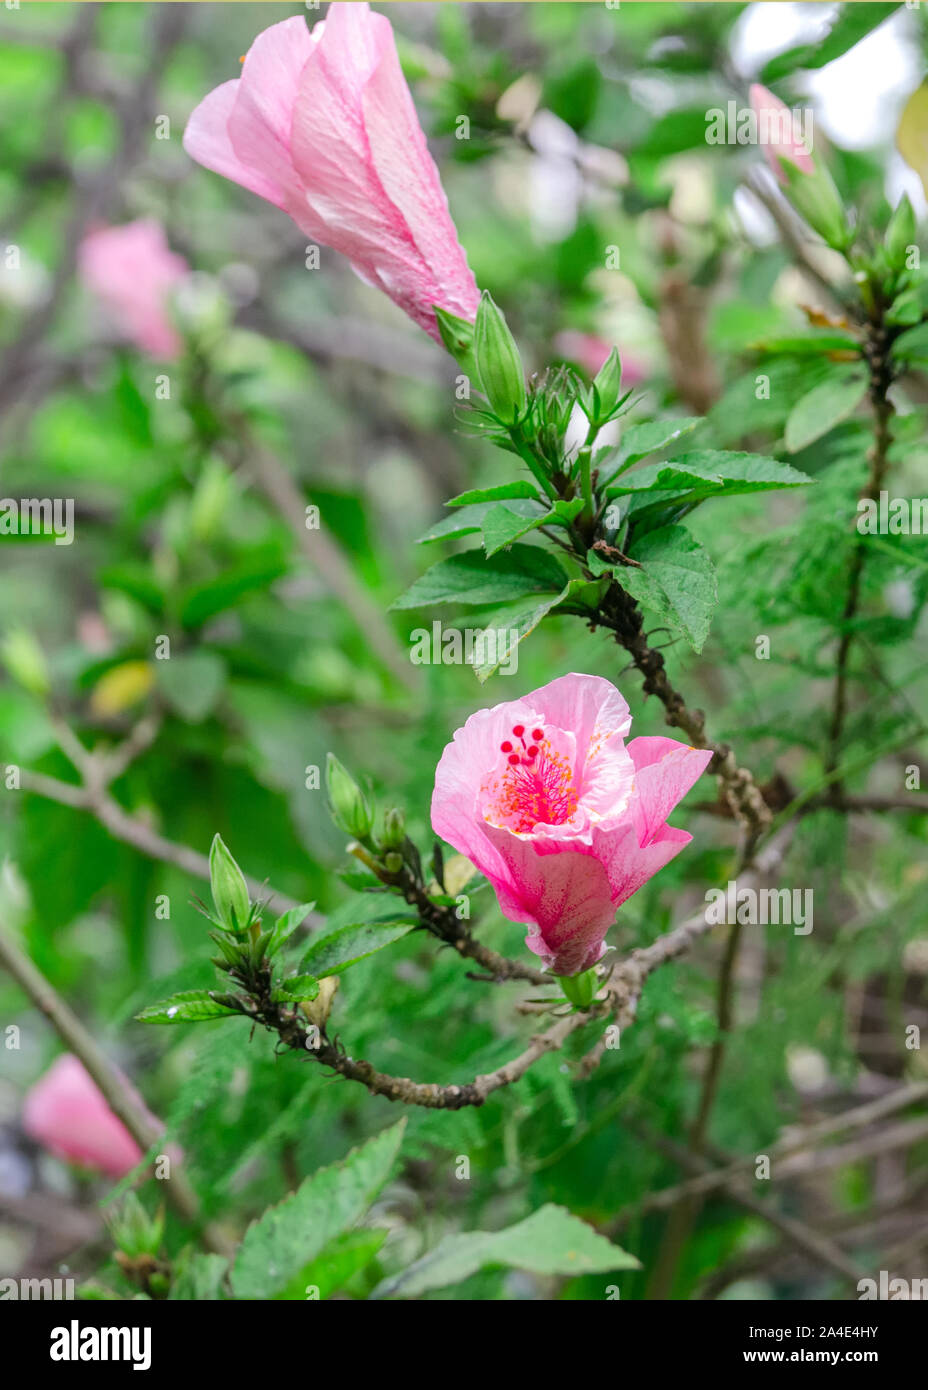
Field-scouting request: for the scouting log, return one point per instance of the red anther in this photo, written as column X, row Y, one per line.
column 518, row 730
column 532, row 752
column 513, row 760
column 538, row 735
column 505, row 747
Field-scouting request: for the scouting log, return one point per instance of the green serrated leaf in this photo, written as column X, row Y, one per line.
column 648, row 438
column 191, row 1006
column 496, row 643
column 340, row 1262
column 502, row 524
column 706, row 473
column 550, row 1241
column 912, row 346
column 286, row 925
column 287, row 1236
column 520, row 488
column 298, row 987
column 474, row 578
column 825, row 406
column 676, row 581
column 470, row 519
column 339, row 949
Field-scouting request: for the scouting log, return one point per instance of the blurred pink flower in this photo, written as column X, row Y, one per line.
column 132, row 271
column 779, row 133
column 323, row 125
column 566, row 822
column 590, row 352
column 65, row 1112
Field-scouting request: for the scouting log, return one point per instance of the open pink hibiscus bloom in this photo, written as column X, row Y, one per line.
column 322, row 124
column 132, row 271
column 566, row 821
column 65, row 1112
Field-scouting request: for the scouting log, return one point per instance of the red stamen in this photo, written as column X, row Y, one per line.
column 518, row 730
column 538, row 735
column 505, row 747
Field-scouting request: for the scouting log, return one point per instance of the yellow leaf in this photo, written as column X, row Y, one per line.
column 121, row 687
column 912, row 135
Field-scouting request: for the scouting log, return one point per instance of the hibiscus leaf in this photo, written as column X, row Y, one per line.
column 503, row 524
column 477, row 579
column 191, row 1006
column 286, row 925
column 648, row 438
column 825, row 406
column 550, row 1241
column 286, row 1237
column 470, row 519
column 676, row 581
column 693, row 478
column 501, row 493
column 496, row 644
column 339, row 949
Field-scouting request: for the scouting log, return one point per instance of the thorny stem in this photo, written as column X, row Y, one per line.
column 877, row 345
column 621, row 615
column 442, row 922
column 617, row 999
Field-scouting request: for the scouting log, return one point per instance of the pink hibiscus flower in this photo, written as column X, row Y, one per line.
column 544, row 796
column 322, row 124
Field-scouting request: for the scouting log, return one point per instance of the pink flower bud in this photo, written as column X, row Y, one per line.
column 565, row 820
column 132, row 271
column 67, row 1114
column 779, row 133
column 323, row 125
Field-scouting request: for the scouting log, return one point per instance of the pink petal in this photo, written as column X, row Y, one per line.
column 566, row 896
column 664, row 772
column 627, row 864
column 206, row 140
column 407, row 173
column 260, row 119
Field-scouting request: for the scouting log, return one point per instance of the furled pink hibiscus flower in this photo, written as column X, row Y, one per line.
column 66, row 1113
column 566, row 821
column 323, row 125
column 132, row 271
column 779, row 133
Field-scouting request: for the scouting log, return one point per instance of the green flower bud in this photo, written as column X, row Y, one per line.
column 498, row 363
column 900, row 234
column 230, row 891
column 394, row 828
column 815, row 197
column 458, row 337
column 580, row 989
column 349, row 807
column 608, row 385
